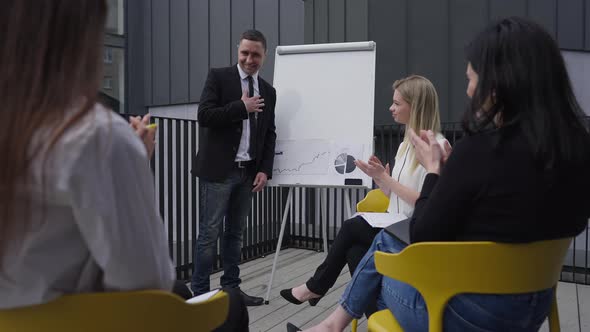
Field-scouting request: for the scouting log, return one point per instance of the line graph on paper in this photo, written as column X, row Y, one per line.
column 302, row 157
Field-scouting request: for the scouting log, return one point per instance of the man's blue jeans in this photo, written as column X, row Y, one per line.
column 466, row 312
column 229, row 200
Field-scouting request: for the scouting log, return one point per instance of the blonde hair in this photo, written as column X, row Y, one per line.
column 421, row 95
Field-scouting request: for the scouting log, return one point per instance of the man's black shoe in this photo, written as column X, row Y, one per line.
column 292, row 328
column 251, row 301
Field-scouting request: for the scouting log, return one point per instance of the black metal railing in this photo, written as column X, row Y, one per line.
column 177, row 199
column 178, row 196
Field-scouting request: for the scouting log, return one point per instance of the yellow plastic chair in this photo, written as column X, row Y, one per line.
column 441, row 270
column 146, row 311
column 374, row 201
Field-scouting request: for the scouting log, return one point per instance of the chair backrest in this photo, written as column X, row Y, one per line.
column 144, row 311
column 441, row 270
column 375, row 201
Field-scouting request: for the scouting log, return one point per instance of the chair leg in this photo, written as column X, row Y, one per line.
column 355, row 323
column 554, row 314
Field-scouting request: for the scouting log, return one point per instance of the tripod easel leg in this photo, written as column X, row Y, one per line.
column 281, row 233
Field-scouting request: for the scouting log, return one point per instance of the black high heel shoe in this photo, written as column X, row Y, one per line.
column 287, row 294
column 292, row 328
column 315, row 301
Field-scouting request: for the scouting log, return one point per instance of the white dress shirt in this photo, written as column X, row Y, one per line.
column 243, row 154
column 403, row 173
column 95, row 226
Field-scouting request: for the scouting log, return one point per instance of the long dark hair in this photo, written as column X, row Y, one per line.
column 49, row 60
column 523, row 83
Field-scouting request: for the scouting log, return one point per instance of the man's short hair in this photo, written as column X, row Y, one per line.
column 254, row 35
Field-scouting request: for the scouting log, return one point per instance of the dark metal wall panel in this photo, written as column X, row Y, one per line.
column 587, row 25
column 242, row 19
column 428, row 46
column 147, row 53
column 135, row 61
column 198, row 35
column 570, row 24
column 357, row 20
column 336, row 21
column 160, row 52
column 320, row 21
column 387, row 27
column 544, row 12
column 413, row 36
column 428, row 37
column 179, row 45
column 183, row 39
column 309, row 21
column 291, row 22
column 219, row 33
column 506, row 8
column 267, row 22
column 465, row 18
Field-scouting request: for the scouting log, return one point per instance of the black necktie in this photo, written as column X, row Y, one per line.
column 252, row 116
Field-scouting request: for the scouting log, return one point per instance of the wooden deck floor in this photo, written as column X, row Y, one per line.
column 296, row 266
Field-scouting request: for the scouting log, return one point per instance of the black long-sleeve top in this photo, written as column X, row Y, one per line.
column 495, row 191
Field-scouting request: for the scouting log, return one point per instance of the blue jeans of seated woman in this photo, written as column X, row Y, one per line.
column 468, row 312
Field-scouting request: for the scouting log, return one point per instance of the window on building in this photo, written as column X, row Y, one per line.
column 107, row 83
column 113, row 83
column 108, row 55
column 116, row 17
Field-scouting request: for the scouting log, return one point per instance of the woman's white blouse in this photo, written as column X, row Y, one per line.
column 95, row 226
column 402, row 172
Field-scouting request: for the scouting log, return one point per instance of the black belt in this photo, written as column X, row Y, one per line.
column 244, row 164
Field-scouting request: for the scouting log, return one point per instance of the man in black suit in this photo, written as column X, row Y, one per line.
column 236, row 152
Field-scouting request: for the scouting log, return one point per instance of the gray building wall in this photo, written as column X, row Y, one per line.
column 427, row 37
column 173, row 43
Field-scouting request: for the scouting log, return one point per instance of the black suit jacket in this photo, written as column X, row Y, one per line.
column 220, row 116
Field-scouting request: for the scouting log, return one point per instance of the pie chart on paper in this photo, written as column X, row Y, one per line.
column 344, row 163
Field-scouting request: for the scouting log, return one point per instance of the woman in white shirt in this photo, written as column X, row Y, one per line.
column 415, row 105
column 77, row 200
column 77, row 210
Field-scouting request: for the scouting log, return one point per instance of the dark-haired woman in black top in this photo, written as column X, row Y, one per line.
column 520, row 175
